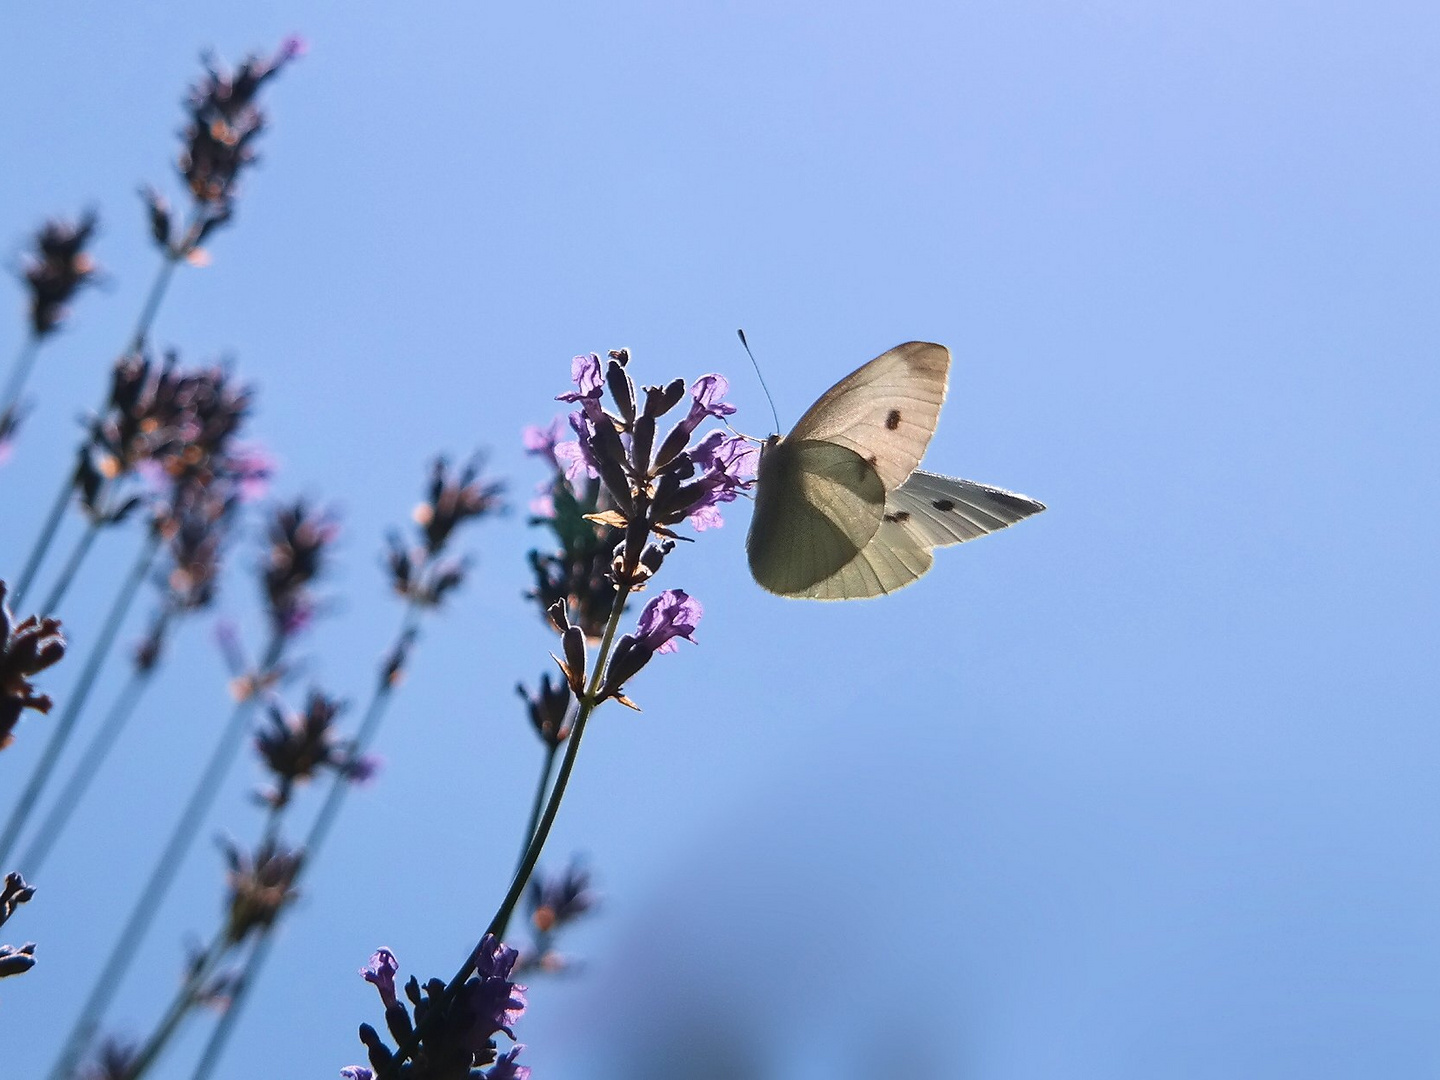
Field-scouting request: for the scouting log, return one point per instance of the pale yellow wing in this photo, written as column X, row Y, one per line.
column 886, row 411
column 817, row 504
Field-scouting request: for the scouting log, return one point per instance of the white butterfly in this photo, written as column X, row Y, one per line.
column 842, row 512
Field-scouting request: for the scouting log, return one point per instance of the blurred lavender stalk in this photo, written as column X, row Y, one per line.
column 300, row 538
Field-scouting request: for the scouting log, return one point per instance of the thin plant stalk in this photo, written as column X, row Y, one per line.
column 76, row 702
column 72, row 567
column 127, row 945
column 153, row 299
column 187, row 997
column 85, row 771
column 43, row 541
column 180, row 1006
column 539, row 805
column 532, row 853
column 314, row 840
column 20, row 373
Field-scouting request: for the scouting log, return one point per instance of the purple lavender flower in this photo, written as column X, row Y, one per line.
column 706, row 400
column 505, row 1067
column 674, row 613
column 588, row 375
column 541, row 441
column 492, row 1001
column 381, row 972
column 577, row 456
column 727, row 466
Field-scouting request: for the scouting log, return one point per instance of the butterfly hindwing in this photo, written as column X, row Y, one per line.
column 817, row 505
column 886, row 411
column 943, row 510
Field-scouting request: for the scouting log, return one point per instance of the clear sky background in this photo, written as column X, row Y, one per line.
column 1145, row 787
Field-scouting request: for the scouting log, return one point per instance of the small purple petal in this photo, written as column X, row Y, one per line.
column 381, row 972
column 358, row 1072
column 505, row 1067
column 674, row 613
column 588, row 375
column 541, row 441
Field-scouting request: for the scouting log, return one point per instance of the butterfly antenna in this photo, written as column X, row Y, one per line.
column 768, row 398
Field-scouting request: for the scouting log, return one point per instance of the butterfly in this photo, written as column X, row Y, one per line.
column 842, row 510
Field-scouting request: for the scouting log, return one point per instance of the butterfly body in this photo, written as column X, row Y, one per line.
column 842, row 510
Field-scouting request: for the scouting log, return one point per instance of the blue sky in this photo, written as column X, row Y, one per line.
column 1144, row 787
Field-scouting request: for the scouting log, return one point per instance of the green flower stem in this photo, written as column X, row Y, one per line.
column 60, row 733
column 72, row 567
column 90, row 761
column 189, row 994
column 543, row 786
column 20, row 373
column 153, row 299
column 128, row 945
column 319, row 830
column 43, row 541
column 532, row 853
column 185, row 999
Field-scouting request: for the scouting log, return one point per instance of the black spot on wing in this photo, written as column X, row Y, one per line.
column 893, row 420
column 899, row 517
column 943, row 505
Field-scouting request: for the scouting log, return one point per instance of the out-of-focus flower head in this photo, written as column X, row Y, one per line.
column 260, row 885
column 114, row 1060
column 577, row 573
column 26, row 649
column 418, row 572
column 175, row 426
column 551, row 710
column 295, row 746
column 554, row 903
column 219, row 144
column 195, row 524
column 461, row 1040
column 300, row 539
column 57, row 269
column 455, row 497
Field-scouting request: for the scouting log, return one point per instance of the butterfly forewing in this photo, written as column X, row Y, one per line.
column 886, row 411
column 816, row 506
